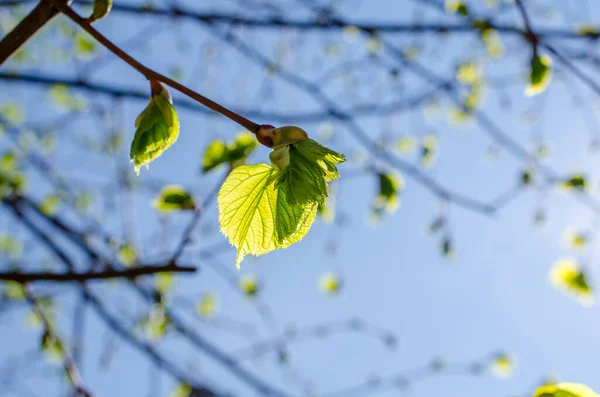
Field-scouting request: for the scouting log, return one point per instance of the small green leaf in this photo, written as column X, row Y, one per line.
column 13, row 291
column 85, row 46
column 156, row 323
column 390, row 186
column 126, row 255
column 101, row 9
column 575, row 182
column 164, row 282
column 330, row 284
column 250, row 285
column 182, row 390
column 216, row 154
column 174, row 198
column 51, row 204
column 208, row 305
column 540, row 75
column 10, row 247
column 564, row 390
column 456, row 7
column 157, row 129
column 257, row 217
column 503, row 365
column 567, row 276
column 235, row 153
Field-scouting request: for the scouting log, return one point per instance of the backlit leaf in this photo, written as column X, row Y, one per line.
column 157, row 129
column 256, row 216
column 173, row 198
column 567, row 276
column 564, row 390
column 101, row 9
column 540, row 75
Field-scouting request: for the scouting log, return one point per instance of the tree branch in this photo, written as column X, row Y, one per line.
column 82, row 277
column 27, row 28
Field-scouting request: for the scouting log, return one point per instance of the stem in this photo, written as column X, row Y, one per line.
column 27, row 28
column 151, row 74
column 81, row 277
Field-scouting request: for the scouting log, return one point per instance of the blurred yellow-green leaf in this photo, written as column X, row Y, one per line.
column 564, row 390
column 330, row 284
column 503, row 365
column 208, row 305
column 173, row 198
column 249, row 285
column 540, row 74
column 568, row 277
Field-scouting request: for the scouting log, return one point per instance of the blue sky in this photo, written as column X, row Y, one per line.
column 492, row 296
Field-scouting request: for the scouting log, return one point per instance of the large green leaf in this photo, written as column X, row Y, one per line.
column 256, row 216
column 157, row 129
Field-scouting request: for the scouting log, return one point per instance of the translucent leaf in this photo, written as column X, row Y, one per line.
column 156, row 323
column 216, row 154
column 503, row 365
column 51, row 204
column 85, row 46
column 589, row 31
column 256, row 216
column 390, row 185
column 575, row 182
column 157, row 129
column 101, row 9
column 564, row 390
column 208, row 305
column 311, row 166
column 568, row 277
column 456, row 7
column 540, row 75
column 173, row 198
column 234, row 153
column 13, row 290
column 576, row 240
column 330, row 284
column 249, row 285
column 10, row 247
column 126, row 255
column 182, row 390
column 164, row 281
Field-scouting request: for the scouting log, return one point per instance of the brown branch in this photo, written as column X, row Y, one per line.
column 151, row 74
column 81, row 277
column 67, row 360
column 27, row 28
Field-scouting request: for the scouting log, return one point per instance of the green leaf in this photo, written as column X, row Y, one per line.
column 256, row 216
column 575, row 182
column 456, row 7
column 173, row 198
column 390, row 187
column 51, row 204
column 216, row 154
column 10, row 247
column 157, row 129
column 85, row 46
column 564, row 390
column 126, row 255
column 164, row 282
column 13, row 291
column 235, row 153
column 208, row 305
column 567, row 276
column 182, row 390
column 311, row 166
column 250, row 285
column 330, row 284
column 540, row 75
column 101, row 9
column 503, row 365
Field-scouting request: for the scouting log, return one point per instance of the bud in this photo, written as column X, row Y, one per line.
column 288, row 135
column 280, row 157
